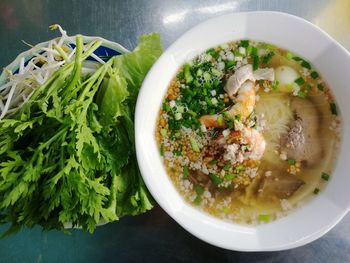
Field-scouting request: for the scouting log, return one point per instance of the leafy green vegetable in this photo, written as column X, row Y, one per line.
column 68, row 155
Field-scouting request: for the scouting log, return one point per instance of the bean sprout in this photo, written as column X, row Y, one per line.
column 32, row 73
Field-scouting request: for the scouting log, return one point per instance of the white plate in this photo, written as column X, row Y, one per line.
column 305, row 224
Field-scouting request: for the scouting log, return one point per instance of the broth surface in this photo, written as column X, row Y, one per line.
column 248, row 131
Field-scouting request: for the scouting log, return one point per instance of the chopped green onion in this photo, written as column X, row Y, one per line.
column 302, row 94
column 163, row 132
column 249, row 50
column 194, row 145
column 177, row 153
column 320, row 87
column 185, row 171
column 213, row 53
column 161, row 150
column 263, row 217
column 199, row 72
column 266, row 59
column 212, row 162
column 239, row 167
column 256, row 62
column 333, row 108
column 291, row 162
column 178, row 116
column 198, row 189
column 216, row 72
column 187, row 73
column 198, row 200
column 215, row 179
column 166, row 107
column 308, row 87
column 244, row 43
column 180, row 75
column 254, row 54
column 289, row 55
column 229, row 64
column 300, row 81
column 316, row 190
column 221, row 120
column 226, row 209
column 206, row 76
column 297, row 59
column 275, row 84
column 230, row 176
column 269, row 46
column 325, row 176
column 305, row 64
column 226, row 167
column 314, row 75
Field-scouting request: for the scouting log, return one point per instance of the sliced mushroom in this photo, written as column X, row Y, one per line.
column 302, row 143
column 198, row 177
column 281, row 187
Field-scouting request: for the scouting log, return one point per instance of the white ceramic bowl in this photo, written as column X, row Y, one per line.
column 303, row 225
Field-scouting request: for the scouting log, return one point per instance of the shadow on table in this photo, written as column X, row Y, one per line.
column 153, row 237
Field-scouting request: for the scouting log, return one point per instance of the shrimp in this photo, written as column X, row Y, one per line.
column 257, row 142
column 244, row 106
column 243, row 82
column 236, row 139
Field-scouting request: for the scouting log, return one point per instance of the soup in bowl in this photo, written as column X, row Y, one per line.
column 241, row 134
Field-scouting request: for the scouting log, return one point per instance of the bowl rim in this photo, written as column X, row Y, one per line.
column 145, row 168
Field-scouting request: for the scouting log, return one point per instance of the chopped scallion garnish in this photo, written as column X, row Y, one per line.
column 300, row 81
column 194, row 145
column 274, row 84
column 230, row 176
column 198, row 189
column 314, row 75
column 266, row 59
column 239, row 167
column 215, row 179
column 320, row 87
column 325, row 176
column 291, row 162
column 185, row 171
column 308, row 87
column 316, row 190
column 333, row 108
column 161, row 150
column 187, row 74
column 197, row 200
column 301, row 94
column 213, row 162
column 244, row 43
column 226, row 167
column 163, row 132
column 264, row 217
column 305, row 64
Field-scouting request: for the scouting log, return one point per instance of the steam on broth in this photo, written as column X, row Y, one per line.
column 248, row 131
